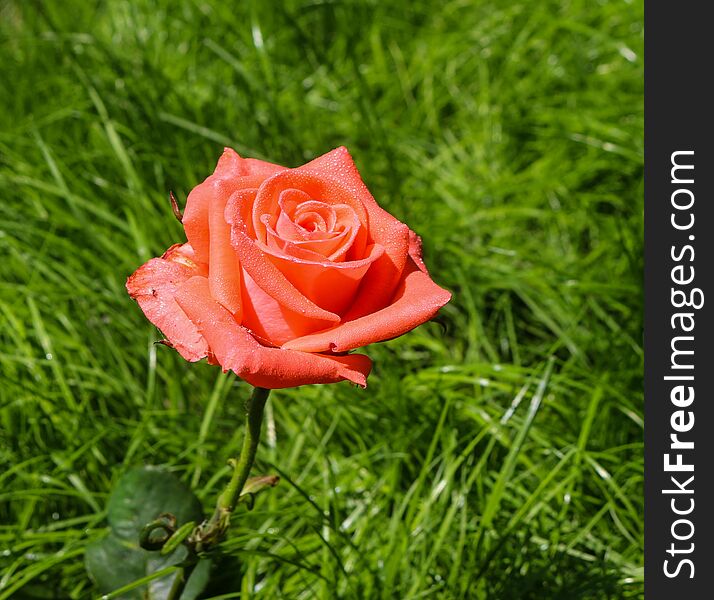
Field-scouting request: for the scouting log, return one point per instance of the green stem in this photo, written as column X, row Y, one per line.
column 213, row 530
column 241, row 468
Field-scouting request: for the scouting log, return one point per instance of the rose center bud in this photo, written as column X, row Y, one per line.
column 311, row 222
column 310, row 229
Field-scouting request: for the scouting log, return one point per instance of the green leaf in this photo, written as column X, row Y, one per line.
column 118, row 563
column 113, row 563
column 144, row 493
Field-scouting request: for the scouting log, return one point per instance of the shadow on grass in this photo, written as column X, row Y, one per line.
column 539, row 576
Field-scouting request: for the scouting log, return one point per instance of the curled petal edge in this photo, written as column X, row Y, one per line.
column 154, row 285
column 416, row 300
column 236, row 350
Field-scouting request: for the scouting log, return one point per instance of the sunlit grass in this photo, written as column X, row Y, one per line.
column 497, row 453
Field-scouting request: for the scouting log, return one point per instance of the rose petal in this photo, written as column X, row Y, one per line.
column 303, row 249
column 319, row 214
column 236, row 350
column 265, row 274
column 232, row 173
column 153, row 286
column 239, row 208
column 347, row 221
column 317, row 187
column 415, row 251
column 184, row 254
column 223, row 268
column 333, row 247
column 288, row 203
column 330, row 285
column 417, row 300
column 381, row 280
column 269, row 321
column 272, row 281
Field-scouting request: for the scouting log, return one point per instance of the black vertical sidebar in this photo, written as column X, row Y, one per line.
column 679, row 246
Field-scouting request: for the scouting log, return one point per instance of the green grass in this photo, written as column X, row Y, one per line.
column 497, row 452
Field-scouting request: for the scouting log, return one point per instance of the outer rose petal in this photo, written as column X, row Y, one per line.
column 232, row 173
column 154, row 285
column 416, row 300
column 381, row 280
column 223, row 266
column 236, row 350
column 415, row 251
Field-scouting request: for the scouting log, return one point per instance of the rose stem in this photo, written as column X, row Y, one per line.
column 227, row 501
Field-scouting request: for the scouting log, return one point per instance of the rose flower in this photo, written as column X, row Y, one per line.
column 285, row 271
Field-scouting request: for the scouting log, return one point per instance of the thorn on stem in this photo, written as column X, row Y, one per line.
column 174, row 205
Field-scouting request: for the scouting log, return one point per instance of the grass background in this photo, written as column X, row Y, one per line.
column 497, row 452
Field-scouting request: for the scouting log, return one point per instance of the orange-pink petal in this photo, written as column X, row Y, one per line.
column 330, row 285
column 265, row 274
column 382, row 279
column 269, row 321
column 223, row 267
column 235, row 349
column 154, row 285
column 232, row 173
column 416, row 300
column 313, row 185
